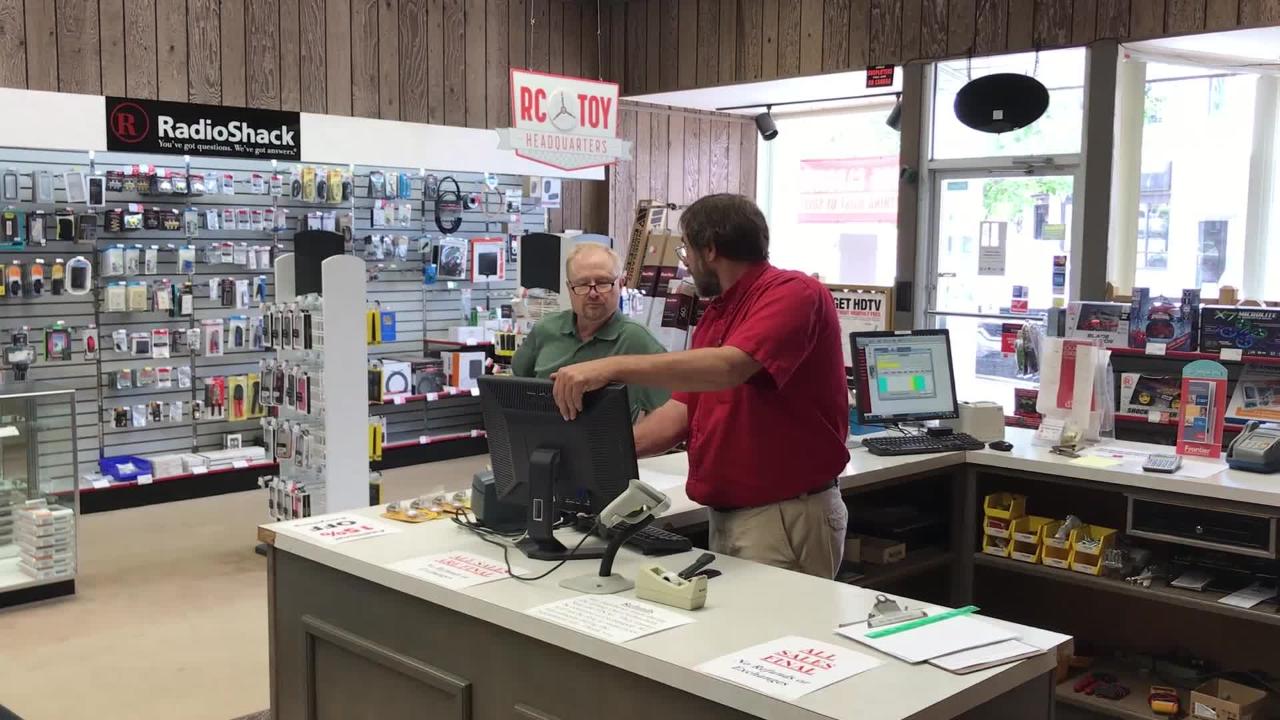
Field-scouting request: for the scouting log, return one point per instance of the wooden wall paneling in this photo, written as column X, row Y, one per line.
column 859, row 33
column 414, row 102
column 140, row 57
column 435, row 61
column 708, row 43
column 935, row 19
column 835, row 36
column 590, row 51
column 1146, row 18
column 13, row 55
column 231, row 36
column 659, row 149
column 290, row 56
column 653, row 47
column 1113, row 19
column 364, row 58
column 734, row 154
column 476, row 92
column 635, row 73
column 617, row 46
column 961, row 25
column 627, row 122
column 769, row 40
column 675, row 159
column 718, row 168
column 688, row 46
column 912, row 28
column 1259, row 12
column 336, row 60
column 992, row 34
column 789, row 19
column 668, row 45
column 455, row 78
column 692, row 171
column 262, row 53
column 13, row 45
column 704, row 156
column 389, row 59
column 1184, row 16
column 1021, row 25
column 729, row 41
column 573, row 40
column 751, row 39
column 1221, row 14
column 79, row 56
column 886, row 32
column 172, row 82
column 539, row 47
column 1084, row 21
column 595, row 206
column 42, row 45
column 517, row 33
column 1052, row 24
column 311, row 38
column 641, row 152
column 555, row 37
column 747, row 184
column 497, row 65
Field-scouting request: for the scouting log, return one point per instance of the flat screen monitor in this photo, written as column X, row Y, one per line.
column 903, row 376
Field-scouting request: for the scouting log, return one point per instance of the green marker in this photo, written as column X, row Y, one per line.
column 911, row 624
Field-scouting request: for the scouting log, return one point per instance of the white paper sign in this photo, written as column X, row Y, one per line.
column 1156, row 348
column 609, row 617
column 991, row 247
column 1231, row 354
column 334, row 529
column 454, row 570
column 789, row 667
column 200, row 470
column 101, row 484
column 860, row 309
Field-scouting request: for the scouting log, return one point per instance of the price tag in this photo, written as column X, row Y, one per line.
column 471, row 342
column 424, row 440
column 1153, row 416
column 239, row 464
column 1154, row 348
column 397, row 400
column 475, row 392
column 101, row 484
column 1231, row 354
column 432, row 397
column 144, row 479
column 200, row 470
column 450, row 390
column 475, row 433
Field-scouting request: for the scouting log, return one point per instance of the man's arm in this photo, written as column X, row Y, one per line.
column 662, row 429
column 702, row 370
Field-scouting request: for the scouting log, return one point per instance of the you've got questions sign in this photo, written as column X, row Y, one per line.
column 173, row 128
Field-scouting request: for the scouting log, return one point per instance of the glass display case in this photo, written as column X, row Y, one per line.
column 39, row 498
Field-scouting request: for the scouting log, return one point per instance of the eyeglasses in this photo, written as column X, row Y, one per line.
column 682, row 253
column 600, row 287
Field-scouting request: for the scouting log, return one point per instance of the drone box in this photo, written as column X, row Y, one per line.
column 1105, row 321
column 1252, row 330
column 1173, row 322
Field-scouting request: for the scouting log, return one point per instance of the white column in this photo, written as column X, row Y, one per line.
column 1126, row 175
column 1262, row 166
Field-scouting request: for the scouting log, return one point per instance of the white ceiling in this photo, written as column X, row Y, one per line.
column 1249, row 47
column 804, row 90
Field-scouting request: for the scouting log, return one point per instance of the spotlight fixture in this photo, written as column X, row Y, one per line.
column 765, row 124
column 895, row 116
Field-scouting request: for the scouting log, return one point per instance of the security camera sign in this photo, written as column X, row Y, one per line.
column 565, row 122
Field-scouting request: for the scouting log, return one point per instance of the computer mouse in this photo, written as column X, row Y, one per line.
column 1001, row 445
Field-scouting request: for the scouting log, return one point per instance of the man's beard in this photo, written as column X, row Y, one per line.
column 708, row 285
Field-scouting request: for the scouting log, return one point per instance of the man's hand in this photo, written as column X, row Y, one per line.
column 572, row 381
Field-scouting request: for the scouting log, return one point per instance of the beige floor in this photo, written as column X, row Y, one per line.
column 170, row 617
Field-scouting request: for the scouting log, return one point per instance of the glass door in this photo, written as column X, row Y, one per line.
column 996, row 236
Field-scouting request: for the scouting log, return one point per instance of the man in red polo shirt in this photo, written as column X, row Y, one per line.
column 761, row 397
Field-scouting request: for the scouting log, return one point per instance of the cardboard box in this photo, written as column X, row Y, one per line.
column 1174, row 322
column 1252, row 330
column 650, row 216
column 1143, row 394
column 853, row 549
column 1224, row 700
column 463, row 368
column 879, row 551
column 1105, row 321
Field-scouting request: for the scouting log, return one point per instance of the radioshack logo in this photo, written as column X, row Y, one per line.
column 130, row 123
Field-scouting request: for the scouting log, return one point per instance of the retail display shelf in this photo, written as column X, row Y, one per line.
column 428, row 397
column 457, row 343
column 1125, row 417
column 11, row 578
column 432, row 439
column 1183, row 355
column 1158, row 592
column 184, row 476
column 1131, row 707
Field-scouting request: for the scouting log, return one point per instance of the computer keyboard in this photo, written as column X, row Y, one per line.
column 920, row 444
column 649, row 540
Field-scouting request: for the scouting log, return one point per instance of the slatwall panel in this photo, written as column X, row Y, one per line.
column 424, row 311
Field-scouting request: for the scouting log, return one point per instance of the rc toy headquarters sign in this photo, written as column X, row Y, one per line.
column 566, row 122
column 172, row 128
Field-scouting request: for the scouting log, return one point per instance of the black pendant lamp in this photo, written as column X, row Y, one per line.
column 1001, row 102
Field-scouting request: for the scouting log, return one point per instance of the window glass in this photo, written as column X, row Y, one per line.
column 832, row 195
column 1056, row 133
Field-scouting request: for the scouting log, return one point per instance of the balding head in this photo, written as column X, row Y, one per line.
column 590, row 251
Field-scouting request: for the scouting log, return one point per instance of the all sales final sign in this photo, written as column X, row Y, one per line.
column 568, row 123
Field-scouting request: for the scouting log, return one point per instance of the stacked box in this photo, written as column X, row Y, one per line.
column 1173, row 322
column 1251, row 330
column 1105, row 321
column 45, row 535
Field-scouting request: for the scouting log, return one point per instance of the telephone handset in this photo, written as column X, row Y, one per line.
column 1256, row 448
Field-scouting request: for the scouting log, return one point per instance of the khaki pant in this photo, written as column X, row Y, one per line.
column 805, row 534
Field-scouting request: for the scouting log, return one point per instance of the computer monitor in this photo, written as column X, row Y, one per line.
column 553, row 466
column 903, row 376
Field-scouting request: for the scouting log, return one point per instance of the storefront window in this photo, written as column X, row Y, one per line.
column 830, row 191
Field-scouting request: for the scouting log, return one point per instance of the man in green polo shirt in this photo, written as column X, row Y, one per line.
column 593, row 329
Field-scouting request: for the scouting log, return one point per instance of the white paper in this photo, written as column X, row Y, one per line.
column 200, row 470
column 985, row 656
column 933, row 640
column 1156, row 348
column 101, row 484
column 335, row 529
column 239, row 464
column 454, row 570
column 609, row 617
column 789, row 667
column 1231, row 354
column 1249, row 596
column 661, row 480
column 144, row 479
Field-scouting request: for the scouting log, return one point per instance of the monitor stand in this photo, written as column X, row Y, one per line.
column 541, row 543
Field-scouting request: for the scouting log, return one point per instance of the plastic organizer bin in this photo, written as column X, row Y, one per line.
column 1055, row 553
column 1004, row 506
column 1027, row 534
column 996, row 527
column 1089, row 560
column 118, row 467
column 999, row 547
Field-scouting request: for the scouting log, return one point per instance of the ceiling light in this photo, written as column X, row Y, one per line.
column 765, row 124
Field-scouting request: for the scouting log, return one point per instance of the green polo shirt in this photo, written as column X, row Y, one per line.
column 554, row 343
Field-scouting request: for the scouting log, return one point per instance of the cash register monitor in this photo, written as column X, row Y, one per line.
column 557, row 468
column 903, row 376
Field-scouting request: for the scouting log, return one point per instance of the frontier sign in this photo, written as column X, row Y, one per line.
column 565, row 122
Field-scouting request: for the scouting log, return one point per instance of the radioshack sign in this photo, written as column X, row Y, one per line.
column 566, row 122
column 151, row 126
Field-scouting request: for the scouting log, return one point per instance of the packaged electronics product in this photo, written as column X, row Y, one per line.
column 1145, row 394
column 1173, row 322
column 1105, row 321
column 1252, row 330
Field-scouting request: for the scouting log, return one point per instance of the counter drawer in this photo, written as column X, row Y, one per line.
column 1205, row 526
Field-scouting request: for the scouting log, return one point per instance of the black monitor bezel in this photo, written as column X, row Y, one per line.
column 859, row 368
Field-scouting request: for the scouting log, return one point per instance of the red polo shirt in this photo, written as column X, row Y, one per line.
column 782, row 433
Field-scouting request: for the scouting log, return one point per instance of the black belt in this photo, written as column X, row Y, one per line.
column 833, row 484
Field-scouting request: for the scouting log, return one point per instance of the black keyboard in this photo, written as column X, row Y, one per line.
column 921, row 444
column 649, row 540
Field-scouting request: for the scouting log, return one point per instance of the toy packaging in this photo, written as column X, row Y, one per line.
column 1252, row 330
column 1105, row 321
column 1257, row 395
column 1153, row 396
column 1024, row 402
column 1158, row 319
